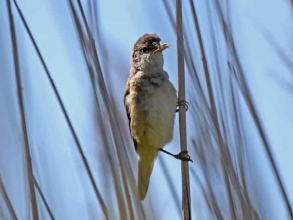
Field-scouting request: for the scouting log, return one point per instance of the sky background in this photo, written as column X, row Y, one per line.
column 257, row 27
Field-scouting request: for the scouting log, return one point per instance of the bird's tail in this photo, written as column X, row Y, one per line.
column 147, row 157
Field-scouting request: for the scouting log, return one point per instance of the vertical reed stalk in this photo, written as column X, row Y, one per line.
column 186, row 210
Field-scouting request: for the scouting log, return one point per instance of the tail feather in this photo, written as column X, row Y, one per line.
column 144, row 174
column 145, row 167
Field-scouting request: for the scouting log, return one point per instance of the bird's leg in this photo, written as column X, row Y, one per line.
column 183, row 103
column 183, row 155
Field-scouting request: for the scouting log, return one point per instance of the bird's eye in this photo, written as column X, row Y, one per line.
column 144, row 49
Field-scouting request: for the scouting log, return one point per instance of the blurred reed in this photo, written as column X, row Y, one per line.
column 218, row 93
column 22, row 110
column 7, row 200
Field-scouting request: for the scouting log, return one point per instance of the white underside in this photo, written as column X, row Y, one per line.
column 152, row 117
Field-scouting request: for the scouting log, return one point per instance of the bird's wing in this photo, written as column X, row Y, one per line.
column 128, row 116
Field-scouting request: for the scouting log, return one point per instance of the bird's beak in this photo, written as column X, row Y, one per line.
column 162, row 46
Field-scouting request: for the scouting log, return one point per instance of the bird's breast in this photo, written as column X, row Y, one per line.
column 159, row 107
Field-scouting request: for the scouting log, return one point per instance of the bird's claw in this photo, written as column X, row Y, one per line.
column 183, row 103
column 183, row 155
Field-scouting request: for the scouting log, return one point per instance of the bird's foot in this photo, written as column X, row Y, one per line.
column 183, row 103
column 184, row 156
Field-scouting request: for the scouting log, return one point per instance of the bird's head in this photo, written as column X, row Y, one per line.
column 147, row 53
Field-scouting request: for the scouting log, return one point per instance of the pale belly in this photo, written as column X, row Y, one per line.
column 158, row 112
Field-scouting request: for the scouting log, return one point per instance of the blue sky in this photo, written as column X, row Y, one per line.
column 121, row 23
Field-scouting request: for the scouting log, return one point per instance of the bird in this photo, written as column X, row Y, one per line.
column 150, row 101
